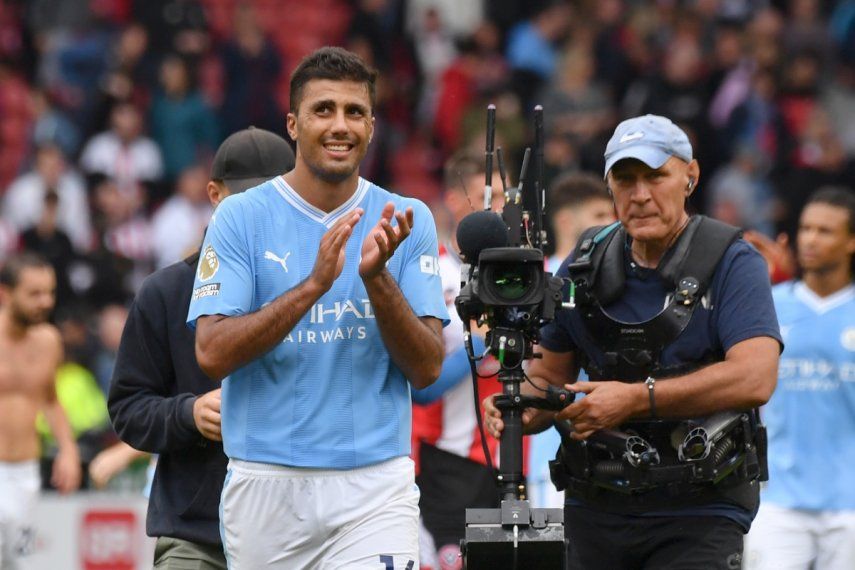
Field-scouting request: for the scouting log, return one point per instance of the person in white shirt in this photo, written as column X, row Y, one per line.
column 123, row 153
column 179, row 224
column 25, row 198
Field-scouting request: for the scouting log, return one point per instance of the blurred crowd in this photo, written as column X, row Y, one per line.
column 110, row 111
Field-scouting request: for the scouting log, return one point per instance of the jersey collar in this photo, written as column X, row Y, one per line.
column 822, row 305
column 326, row 218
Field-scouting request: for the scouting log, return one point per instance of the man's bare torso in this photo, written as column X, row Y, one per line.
column 27, row 373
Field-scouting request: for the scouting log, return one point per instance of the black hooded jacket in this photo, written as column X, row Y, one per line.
column 155, row 383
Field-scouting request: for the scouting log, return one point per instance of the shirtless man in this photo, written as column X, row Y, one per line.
column 30, row 351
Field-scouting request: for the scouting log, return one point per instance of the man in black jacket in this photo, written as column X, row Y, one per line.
column 161, row 402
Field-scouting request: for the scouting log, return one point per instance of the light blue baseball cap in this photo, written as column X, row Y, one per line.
column 651, row 139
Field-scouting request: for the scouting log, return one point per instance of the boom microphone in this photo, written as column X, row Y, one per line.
column 479, row 231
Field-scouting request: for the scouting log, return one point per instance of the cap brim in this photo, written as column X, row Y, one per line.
column 237, row 185
column 649, row 155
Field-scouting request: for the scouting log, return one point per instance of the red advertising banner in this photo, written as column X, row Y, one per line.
column 108, row 540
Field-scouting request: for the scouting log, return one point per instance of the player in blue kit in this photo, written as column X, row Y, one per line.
column 318, row 298
column 807, row 514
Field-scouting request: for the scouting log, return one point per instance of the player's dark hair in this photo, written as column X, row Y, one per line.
column 576, row 188
column 10, row 273
column 333, row 63
column 839, row 196
column 461, row 165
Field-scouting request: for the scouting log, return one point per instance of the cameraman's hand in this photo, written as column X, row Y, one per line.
column 480, row 330
column 605, row 405
column 493, row 417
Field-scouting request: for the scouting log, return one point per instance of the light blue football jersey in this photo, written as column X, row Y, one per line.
column 811, row 416
column 328, row 396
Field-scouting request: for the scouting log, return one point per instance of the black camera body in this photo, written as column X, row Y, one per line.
column 510, row 289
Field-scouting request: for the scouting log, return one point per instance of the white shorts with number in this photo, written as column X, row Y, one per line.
column 290, row 518
column 790, row 539
column 19, row 490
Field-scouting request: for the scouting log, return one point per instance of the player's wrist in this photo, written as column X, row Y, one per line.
column 375, row 278
column 313, row 287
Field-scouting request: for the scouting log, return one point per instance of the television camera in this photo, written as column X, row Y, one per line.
column 506, row 288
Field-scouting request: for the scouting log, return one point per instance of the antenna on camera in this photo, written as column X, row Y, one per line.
column 539, row 190
column 502, row 173
column 491, row 139
column 524, row 168
column 513, row 213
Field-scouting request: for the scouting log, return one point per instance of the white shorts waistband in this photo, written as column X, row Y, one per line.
column 284, row 471
column 16, row 469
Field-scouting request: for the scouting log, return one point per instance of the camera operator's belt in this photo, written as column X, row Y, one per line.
column 632, row 350
column 650, row 464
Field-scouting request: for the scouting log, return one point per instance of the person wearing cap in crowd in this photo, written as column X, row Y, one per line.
column 320, row 303
column 639, row 495
column 160, row 400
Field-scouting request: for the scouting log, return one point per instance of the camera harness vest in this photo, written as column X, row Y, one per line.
column 650, row 463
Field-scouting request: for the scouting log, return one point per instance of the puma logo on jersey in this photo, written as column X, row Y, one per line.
column 280, row 260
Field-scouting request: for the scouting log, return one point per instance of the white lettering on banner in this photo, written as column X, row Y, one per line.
column 429, row 264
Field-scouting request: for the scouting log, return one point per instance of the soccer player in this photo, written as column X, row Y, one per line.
column 318, row 298
column 807, row 512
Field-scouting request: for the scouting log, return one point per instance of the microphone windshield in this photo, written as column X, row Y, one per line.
column 479, row 231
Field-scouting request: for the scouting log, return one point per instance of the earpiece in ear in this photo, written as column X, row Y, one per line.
column 690, row 186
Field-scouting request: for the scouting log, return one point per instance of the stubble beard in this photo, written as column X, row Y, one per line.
column 332, row 176
column 25, row 320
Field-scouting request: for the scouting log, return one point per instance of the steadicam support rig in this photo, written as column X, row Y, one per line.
column 507, row 289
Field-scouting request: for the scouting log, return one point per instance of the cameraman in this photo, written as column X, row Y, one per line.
column 651, row 371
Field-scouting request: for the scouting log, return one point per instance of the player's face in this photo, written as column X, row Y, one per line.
column 650, row 202
column 595, row 212
column 824, row 241
column 332, row 128
column 462, row 201
column 32, row 299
